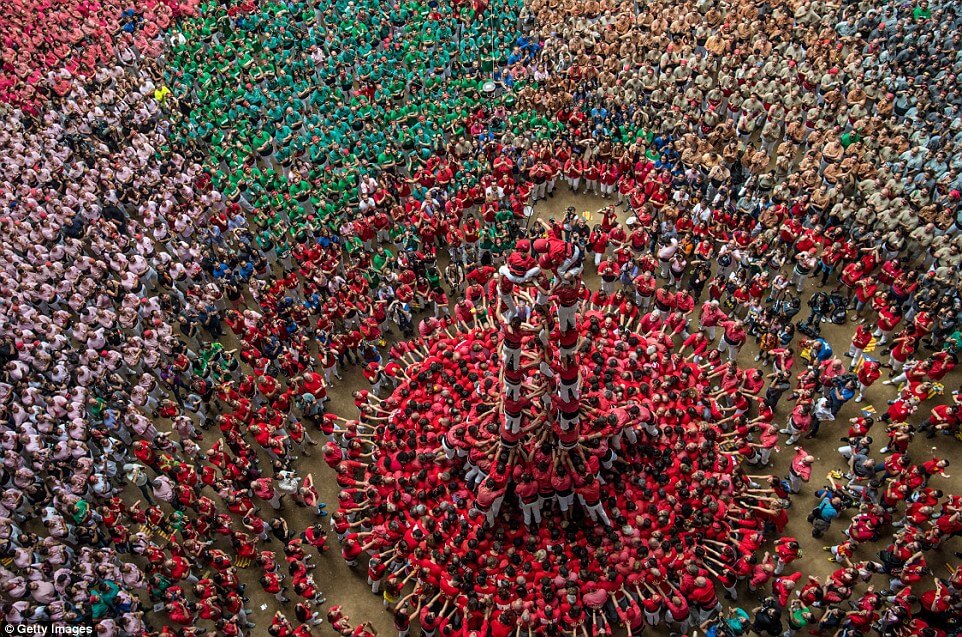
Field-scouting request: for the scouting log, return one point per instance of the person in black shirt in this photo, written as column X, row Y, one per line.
column 768, row 618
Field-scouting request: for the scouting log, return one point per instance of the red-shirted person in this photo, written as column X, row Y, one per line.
column 889, row 316
column 733, row 337
column 787, row 550
column 860, row 340
column 800, row 470
column 943, row 419
column 867, row 373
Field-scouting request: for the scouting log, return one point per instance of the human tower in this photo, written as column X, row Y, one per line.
column 548, row 461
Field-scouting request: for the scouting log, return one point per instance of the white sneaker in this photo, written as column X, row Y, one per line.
column 858, row 398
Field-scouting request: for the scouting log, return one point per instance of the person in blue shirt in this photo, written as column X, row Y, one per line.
column 221, row 270
column 738, row 621
column 599, row 112
column 821, row 350
column 843, row 392
column 245, row 270
column 828, row 508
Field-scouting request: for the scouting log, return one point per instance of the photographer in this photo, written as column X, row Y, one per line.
column 828, row 508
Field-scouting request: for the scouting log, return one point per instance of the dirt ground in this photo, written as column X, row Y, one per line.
column 348, row 588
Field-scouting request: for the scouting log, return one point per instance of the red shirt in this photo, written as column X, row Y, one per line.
column 862, row 337
column 868, row 373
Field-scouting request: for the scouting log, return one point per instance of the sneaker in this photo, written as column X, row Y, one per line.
column 858, row 398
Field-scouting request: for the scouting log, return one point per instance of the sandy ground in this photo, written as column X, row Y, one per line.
column 348, row 588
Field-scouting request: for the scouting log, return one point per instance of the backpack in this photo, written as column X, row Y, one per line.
column 819, row 526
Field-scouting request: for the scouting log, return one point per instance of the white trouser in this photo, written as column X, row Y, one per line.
column 856, row 354
column 531, row 511
column 568, row 391
column 724, row 347
column 800, row 281
column 764, row 456
column 794, row 482
column 567, row 317
column 512, row 357
column 597, row 512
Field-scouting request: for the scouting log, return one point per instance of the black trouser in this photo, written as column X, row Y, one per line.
column 772, row 396
column 815, row 317
column 146, row 491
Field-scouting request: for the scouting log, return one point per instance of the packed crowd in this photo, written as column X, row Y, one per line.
column 310, row 180
column 527, row 409
column 49, row 46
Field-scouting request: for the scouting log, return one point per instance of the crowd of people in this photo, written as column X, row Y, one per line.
column 495, row 431
column 311, row 181
column 47, row 46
